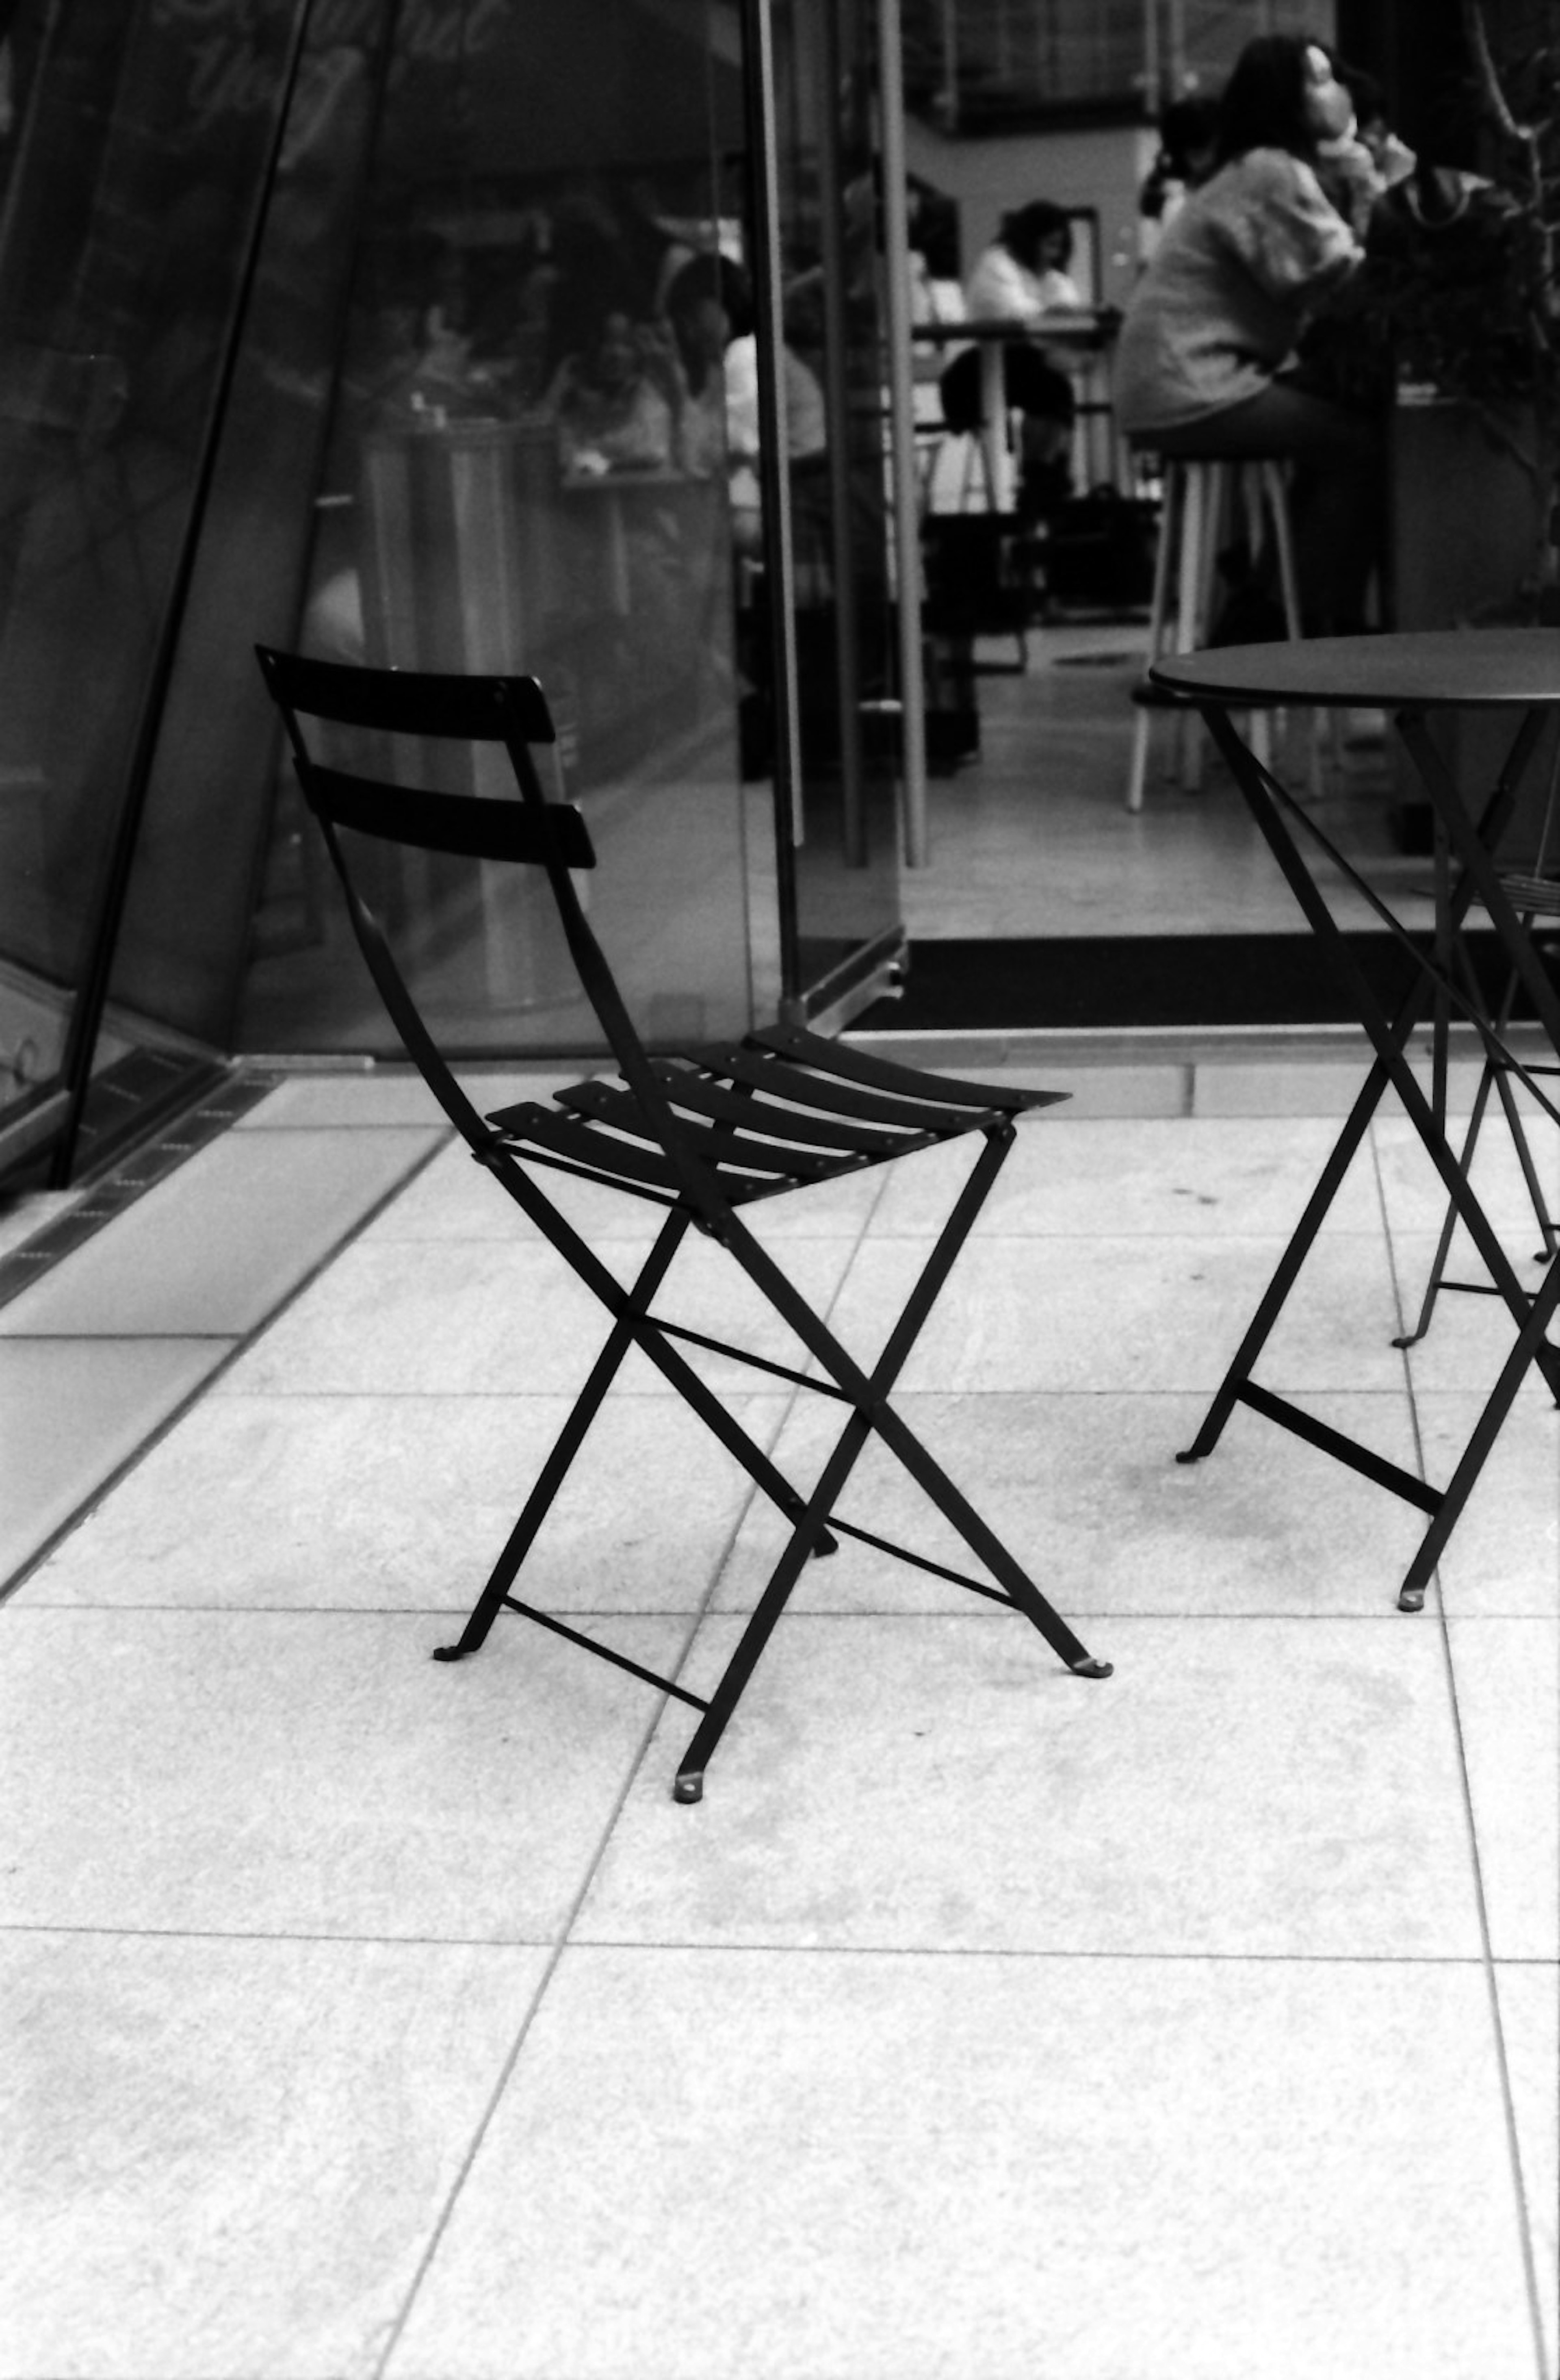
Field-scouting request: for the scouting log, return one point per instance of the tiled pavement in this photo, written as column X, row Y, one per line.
column 367, row 2017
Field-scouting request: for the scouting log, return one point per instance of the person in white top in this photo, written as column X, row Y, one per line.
column 1024, row 274
column 1205, row 361
column 1020, row 278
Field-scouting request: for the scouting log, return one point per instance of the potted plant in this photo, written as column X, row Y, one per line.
column 1463, row 289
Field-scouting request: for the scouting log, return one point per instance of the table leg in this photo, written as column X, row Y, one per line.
column 1390, row 1042
column 1533, row 1315
column 1529, row 1346
column 1474, row 847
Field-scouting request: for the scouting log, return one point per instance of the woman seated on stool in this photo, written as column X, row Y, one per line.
column 1204, row 366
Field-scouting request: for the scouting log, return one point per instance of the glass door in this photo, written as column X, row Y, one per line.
column 824, row 226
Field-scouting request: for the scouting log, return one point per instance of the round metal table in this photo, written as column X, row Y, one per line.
column 1408, row 676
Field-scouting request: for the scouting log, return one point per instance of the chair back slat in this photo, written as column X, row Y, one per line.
column 410, row 702
column 507, row 710
column 554, row 835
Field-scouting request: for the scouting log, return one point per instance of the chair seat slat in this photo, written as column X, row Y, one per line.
column 1535, row 897
column 602, row 1152
column 767, row 1073
column 858, row 1065
column 608, row 1155
column 623, row 1111
column 709, row 1096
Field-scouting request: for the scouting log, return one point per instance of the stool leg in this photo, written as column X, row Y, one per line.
column 1276, row 489
column 1171, row 512
column 1206, row 486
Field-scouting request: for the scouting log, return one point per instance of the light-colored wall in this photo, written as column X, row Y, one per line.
column 1101, row 168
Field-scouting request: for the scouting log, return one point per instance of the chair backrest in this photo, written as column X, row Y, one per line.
column 510, row 711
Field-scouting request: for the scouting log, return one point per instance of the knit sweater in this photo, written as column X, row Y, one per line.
column 1220, row 306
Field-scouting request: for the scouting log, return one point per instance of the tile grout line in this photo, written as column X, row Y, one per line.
column 761, row 1948
column 1487, row 1960
column 564, row 1942
column 632, row 1773
column 237, row 1346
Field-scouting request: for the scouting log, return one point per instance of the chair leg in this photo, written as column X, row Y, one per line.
column 868, row 1393
column 1550, row 1249
column 567, row 1444
column 1449, row 1221
column 1492, row 1077
column 630, row 1327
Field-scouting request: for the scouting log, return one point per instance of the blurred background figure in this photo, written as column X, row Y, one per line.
column 1360, row 166
column 1188, row 150
column 612, row 407
column 1020, row 278
column 1024, row 274
column 1206, row 360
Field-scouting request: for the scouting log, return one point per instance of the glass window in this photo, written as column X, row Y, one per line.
column 529, row 466
column 131, row 155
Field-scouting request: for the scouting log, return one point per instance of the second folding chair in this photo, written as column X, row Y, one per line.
column 702, row 1134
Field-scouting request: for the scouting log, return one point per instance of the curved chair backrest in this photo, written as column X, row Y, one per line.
column 510, row 711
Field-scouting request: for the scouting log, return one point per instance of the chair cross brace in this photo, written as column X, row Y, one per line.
column 813, row 1521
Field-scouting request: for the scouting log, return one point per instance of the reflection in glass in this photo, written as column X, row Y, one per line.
column 127, row 177
column 528, row 468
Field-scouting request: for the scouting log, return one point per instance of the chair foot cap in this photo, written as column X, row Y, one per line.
column 1412, row 1600
column 1092, row 1669
column 689, row 1786
column 451, row 1652
column 1189, row 1454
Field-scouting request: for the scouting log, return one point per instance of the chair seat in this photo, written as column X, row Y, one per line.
column 774, row 1112
column 1535, row 897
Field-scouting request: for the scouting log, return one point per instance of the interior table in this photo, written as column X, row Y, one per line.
column 1077, row 341
column 1409, row 676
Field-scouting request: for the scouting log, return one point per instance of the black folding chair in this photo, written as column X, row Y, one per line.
column 701, row 1134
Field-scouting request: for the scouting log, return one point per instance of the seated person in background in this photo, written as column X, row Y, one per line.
column 704, row 300
column 1202, row 366
column 1360, row 166
column 710, row 307
column 611, row 405
column 1020, row 279
column 1188, row 148
column 1024, row 274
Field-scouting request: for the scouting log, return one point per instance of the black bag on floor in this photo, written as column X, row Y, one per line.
column 1098, row 549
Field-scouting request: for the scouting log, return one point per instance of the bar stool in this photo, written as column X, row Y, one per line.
column 1199, row 493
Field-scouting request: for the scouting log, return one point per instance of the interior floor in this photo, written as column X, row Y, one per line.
column 1031, row 836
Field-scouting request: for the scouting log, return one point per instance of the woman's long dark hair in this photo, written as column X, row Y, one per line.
column 1024, row 231
column 1263, row 104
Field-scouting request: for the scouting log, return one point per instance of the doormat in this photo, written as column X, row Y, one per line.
column 1143, row 981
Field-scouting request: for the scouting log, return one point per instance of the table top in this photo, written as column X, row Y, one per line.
column 1059, row 326
column 1435, row 668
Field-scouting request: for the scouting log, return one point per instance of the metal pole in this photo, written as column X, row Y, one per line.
column 905, row 494
column 828, row 83
column 1175, row 62
column 1151, row 68
column 774, row 474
